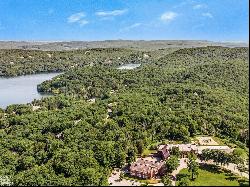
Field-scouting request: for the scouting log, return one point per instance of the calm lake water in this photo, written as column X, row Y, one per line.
column 22, row 89
column 129, row 66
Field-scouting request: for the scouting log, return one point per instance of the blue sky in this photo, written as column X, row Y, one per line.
column 216, row 20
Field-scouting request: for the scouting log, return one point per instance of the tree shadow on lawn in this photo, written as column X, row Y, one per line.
column 243, row 182
column 229, row 173
column 180, row 176
column 216, row 169
column 232, row 178
column 211, row 168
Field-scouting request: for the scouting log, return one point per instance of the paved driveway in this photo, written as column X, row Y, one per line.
column 114, row 180
column 183, row 164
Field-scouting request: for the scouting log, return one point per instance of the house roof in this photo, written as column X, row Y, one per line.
column 164, row 151
column 193, row 147
column 146, row 166
column 182, row 147
column 222, row 148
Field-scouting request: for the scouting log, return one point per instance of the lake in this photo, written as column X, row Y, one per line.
column 22, row 89
column 129, row 66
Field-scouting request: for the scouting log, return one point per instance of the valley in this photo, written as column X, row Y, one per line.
column 101, row 117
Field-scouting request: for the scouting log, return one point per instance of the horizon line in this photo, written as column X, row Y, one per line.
column 57, row 41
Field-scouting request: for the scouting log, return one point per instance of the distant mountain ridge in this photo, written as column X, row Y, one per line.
column 135, row 44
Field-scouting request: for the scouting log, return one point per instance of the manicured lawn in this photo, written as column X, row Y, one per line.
column 219, row 140
column 210, row 175
column 147, row 152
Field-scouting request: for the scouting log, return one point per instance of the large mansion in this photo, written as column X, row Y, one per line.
column 147, row 169
column 153, row 168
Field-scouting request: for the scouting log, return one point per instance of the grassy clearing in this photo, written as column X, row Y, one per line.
column 218, row 140
column 151, row 149
column 210, row 175
column 147, row 152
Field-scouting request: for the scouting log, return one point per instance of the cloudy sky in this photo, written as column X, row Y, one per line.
column 217, row 20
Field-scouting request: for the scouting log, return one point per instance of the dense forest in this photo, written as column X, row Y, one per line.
column 21, row 62
column 101, row 117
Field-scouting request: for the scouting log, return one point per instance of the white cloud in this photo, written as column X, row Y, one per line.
column 76, row 17
column 199, row 6
column 131, row 27
column 111, row 13
column 107, row 18
column 168, row 16
column 207, row 14
column 184, row 3
column 83, row 22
